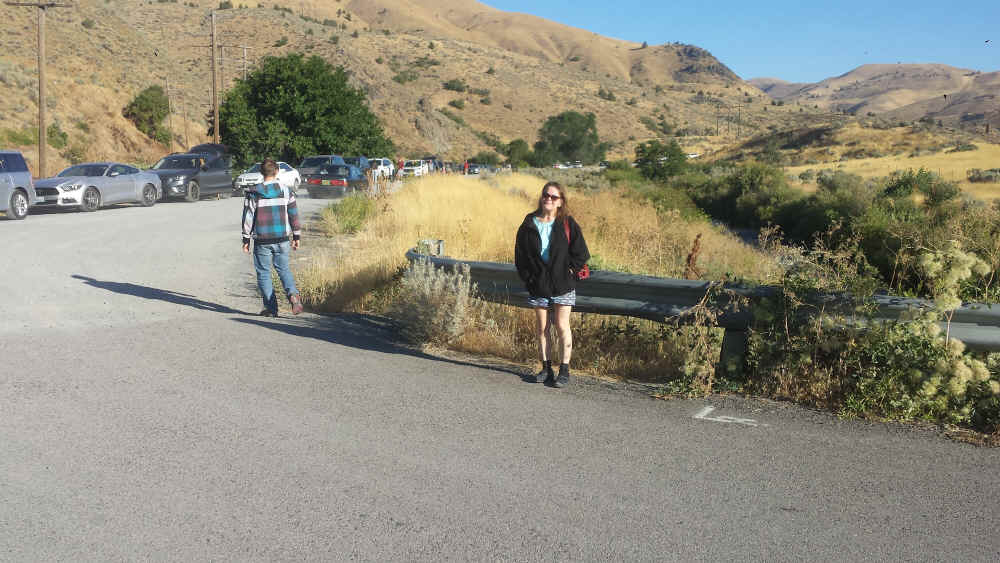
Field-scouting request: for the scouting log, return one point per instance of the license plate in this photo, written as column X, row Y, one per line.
column 326, row 182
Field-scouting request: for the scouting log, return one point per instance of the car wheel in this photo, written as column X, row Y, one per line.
column 193, row 191
column 18, row 206
column 91, row 200
column 148, row 195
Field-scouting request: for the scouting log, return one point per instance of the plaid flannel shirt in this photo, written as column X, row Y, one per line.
column 270, row 214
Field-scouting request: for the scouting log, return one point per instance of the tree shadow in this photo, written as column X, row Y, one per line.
column 365, row 332
column 155, row 294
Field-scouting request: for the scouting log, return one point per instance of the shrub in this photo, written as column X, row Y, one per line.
column 281, row 42
column 225, row 5
column 354, row 34
column 978, row 175
column 349, row 215
column 405, row 76
column 455, row 85
column 433, row 304
column 460, row 104
column 88, row 23
column 148, row 110
column 55, row 136
column 485, row 101
column 606, row 94
column 454, row 117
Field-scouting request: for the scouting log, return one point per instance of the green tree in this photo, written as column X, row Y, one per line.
column 486, row 157
column 519, row 153
column 569, row 136
column 658, row 161
column 148, row 109
column 293, row 106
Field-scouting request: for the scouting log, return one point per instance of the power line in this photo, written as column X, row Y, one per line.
column 41, row 6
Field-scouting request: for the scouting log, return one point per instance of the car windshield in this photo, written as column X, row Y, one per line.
column 84, row 170
column 177, row 163
column 353, row 160
column 254, row 168
column 314, row 161
column 412, row 163
column 339, row 171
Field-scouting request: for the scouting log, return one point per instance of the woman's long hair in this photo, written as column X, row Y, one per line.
column 562, row 212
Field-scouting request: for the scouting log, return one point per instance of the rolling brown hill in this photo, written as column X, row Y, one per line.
column 523, row 68
column 956, row 96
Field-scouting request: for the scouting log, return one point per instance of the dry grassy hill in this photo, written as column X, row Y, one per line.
column 956, row 96
column 523, row 69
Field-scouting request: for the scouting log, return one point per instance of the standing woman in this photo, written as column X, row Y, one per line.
column 547, row 264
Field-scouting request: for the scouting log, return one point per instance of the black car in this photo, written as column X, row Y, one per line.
column 334, row 180
column 192, row 175
column 312, row 164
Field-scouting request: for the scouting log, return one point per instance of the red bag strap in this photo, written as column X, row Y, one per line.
column 566, row 228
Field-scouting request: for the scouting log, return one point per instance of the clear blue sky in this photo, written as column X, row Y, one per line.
column 791, row 40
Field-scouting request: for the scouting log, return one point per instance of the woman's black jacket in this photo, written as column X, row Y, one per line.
column 554, row 278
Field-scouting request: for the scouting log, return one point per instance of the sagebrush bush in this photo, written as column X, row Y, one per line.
column 432, row 304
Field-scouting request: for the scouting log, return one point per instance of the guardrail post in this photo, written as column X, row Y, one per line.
column 431, row 247
column 733, row 357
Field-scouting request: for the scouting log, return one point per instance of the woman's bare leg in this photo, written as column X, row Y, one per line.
column 542, row 324
column 565, row 334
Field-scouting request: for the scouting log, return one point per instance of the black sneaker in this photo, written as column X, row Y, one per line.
column 563, row 379
column 545, row 375
column 268, row 313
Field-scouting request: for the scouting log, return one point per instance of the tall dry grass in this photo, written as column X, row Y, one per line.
column 478, row 220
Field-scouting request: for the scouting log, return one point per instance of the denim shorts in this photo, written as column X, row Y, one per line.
column 546, row 302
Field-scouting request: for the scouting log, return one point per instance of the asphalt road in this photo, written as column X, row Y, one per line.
column 147, row 414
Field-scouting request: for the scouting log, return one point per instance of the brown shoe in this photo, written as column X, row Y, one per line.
column 296, row 304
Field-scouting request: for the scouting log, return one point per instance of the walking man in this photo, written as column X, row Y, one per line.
column 271, row 218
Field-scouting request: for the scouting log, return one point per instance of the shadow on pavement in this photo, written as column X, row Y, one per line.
column 147, row 292
column 363, row 332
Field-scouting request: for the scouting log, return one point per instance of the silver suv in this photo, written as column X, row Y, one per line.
column 17, row 193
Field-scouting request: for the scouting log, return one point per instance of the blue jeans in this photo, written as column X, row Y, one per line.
column 266, row 255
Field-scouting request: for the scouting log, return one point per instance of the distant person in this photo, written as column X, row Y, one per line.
column 466, row 168
column 547, row 261
column 271, row 221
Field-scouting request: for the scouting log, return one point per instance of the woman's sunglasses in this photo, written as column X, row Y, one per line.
column 553, row 197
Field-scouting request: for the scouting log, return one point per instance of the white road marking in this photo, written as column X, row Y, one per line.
column 703, row 415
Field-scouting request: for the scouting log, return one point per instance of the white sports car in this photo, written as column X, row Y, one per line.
column 287, row 176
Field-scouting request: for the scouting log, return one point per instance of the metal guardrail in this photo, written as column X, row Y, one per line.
column 667, row 299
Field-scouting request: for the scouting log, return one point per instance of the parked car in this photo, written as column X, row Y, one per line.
column 287, row 176
column 603, row 165
column 311, row 164
column 360, row 161
column 474, row 168
column 192, row 175
column 383, row 167
column 211, row 149
column 413, row 168
column 91, row 185
column 335, row 180
column 17, row 193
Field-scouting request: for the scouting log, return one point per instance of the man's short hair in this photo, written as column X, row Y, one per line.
column 269, row 167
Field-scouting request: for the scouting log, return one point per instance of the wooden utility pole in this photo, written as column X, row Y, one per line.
column 215, row 89
column 739, row 121
column 41, row 6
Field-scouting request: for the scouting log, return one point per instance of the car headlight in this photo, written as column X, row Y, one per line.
column 71, row 187
column 178, row 181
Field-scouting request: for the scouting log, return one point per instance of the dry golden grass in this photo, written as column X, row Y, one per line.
column 478, row 220
column 950, row 166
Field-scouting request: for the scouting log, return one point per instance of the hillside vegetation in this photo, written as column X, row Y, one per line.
column 400, row 53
